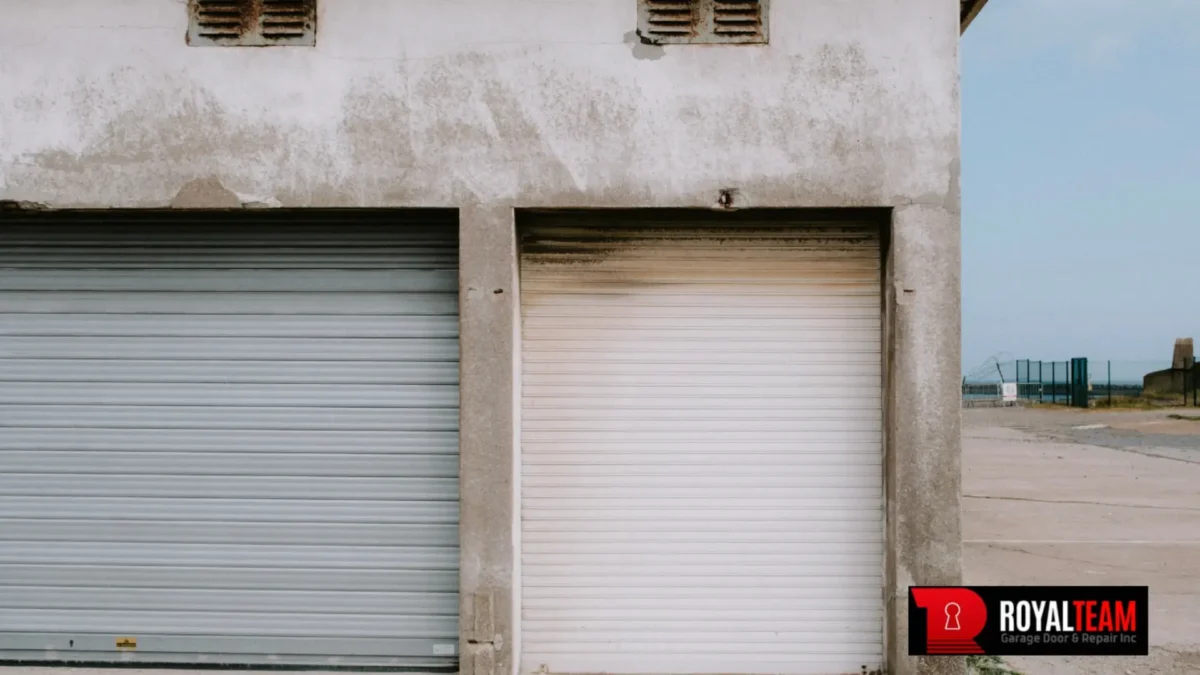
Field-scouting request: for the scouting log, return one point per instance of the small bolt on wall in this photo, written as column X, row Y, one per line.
column 727, row 200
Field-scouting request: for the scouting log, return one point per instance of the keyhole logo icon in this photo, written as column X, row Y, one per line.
column 945, row 620
column 952, row 612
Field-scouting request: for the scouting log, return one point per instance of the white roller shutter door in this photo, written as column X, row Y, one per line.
column 701, row 448
column 229, row 439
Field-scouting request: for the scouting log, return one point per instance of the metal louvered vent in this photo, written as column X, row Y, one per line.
column 252, row 23
column 738, row 20
column 287, row 19
column 702, row 21
column 671, row 19
column 219, row 21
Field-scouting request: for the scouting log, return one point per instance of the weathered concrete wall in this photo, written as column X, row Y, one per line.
column 1170, row 382
column 487, row 440
column 440, row 102
column 923, row 420
column 491, row 105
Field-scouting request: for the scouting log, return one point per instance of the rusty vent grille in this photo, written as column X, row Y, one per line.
column 671, row 19
column 703, row 21
column 738, row 20
column 252, row 23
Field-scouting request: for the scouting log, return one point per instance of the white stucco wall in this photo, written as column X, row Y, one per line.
column 443, row 102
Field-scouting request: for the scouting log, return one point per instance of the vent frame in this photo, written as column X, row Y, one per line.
column 713, row 22
column 252, row 23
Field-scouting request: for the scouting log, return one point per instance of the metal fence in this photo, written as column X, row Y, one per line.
column 1044, row 381
column 1081, row 382
column 981, row 394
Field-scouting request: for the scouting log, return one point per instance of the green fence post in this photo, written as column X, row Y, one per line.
column 1075, row 369
column 1073, row 388
column 1077, row 387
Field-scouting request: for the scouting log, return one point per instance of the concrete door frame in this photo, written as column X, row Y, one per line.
column 921, row 329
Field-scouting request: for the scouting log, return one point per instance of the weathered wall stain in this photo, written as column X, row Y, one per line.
column 376, row 131
column 857, row 117
column 205, row 193
column 642, row 49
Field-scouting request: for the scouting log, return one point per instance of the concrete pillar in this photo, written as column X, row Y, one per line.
column 488, row 322
column 924, row 545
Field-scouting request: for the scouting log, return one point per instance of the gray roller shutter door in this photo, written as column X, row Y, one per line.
column 229, row 438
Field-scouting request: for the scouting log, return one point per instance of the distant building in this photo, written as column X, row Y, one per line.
column 1177, row 379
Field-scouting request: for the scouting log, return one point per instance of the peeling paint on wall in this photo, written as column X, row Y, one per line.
column 642, row 49
column 205, row 193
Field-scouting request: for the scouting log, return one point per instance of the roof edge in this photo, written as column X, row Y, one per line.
column 969, row 9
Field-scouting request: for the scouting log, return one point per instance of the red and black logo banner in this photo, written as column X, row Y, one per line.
column 1029, row 620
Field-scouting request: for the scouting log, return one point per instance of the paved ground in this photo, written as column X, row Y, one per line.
column 1053, row 496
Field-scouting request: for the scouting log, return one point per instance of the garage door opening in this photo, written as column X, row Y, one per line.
column 229, row 438
column 701, row 477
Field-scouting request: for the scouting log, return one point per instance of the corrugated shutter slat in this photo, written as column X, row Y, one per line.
column 232, row 437
column 702, row 480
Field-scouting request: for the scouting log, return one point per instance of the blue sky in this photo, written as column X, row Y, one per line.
column 1081, row 179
